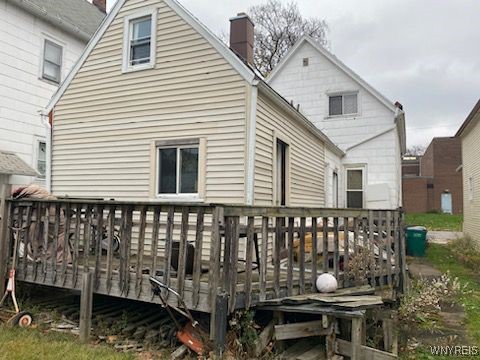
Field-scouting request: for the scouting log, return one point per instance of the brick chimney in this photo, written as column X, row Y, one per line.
column 241, row 36
column 101, row 5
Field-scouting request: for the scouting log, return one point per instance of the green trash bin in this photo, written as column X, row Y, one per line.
column 416, row 237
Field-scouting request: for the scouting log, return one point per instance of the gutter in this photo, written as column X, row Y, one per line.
column 55, row 20
column 48, row 138
column 277, row 99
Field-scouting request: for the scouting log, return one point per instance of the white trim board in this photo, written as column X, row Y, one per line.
column 334, row 60
column 236, row 63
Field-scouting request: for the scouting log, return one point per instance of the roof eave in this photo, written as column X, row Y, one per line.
column 54, row 20
column 337, row 62
column 468, row 120
column 243, row 70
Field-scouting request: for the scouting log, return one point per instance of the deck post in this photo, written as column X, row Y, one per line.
column 403, row 254
column 4, row 194
column 357, row 324
column 86, row 303
column 220, row 318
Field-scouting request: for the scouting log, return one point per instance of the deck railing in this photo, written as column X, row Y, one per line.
column 202, row 250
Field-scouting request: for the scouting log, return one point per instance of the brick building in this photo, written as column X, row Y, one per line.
column 433, row 182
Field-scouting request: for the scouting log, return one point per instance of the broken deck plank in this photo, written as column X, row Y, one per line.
column 344, row 347
column 300, row 330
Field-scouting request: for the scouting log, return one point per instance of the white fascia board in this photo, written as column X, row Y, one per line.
column 338, row 63
column 236, row 63
column 86, row 52
column 301, row 119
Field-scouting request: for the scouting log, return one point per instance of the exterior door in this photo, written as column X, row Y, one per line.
column 446, row 201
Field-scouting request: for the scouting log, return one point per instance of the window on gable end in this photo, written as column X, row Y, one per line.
column 343, row 104
column 139, row 41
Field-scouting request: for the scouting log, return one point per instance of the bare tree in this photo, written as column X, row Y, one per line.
column 416, row 150
column 278, row 27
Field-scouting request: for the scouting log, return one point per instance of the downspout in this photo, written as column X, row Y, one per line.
column 252, row 128
column 48, row 139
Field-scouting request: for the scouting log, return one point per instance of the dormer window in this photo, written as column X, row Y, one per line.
column 139, row 41
column 342, row 104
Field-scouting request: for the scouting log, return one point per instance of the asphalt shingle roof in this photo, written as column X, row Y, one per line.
column 11, row 164
column 78, row 13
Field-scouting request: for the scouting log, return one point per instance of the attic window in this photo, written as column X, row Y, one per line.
column 342, row 104
column 305, row 61
column 139, row 41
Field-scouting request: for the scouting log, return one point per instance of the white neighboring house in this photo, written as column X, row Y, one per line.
column 40, row 40
column 356, row 117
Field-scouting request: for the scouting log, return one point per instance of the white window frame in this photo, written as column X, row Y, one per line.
column 58, row 43
column 186, row 144
column 471, row 189
column 343, row 94
column 127, row 31
column 347, row 169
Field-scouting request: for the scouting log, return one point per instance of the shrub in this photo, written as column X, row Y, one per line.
column 465, row 251
column 421, row 304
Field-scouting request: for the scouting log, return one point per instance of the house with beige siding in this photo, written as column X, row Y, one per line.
column 158, row 108
column 469, row 134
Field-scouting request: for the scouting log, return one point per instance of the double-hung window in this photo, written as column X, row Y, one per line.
column 139, row 41
column 354, row 188
column 177, row 169
column 42, row 159
column 342, row 104
column 52, row 61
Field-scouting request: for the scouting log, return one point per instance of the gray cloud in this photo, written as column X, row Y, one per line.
column 424, row 54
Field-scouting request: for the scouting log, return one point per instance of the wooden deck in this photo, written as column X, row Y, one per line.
column 246, row 254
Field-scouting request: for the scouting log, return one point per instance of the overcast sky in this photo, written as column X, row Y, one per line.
column 425, row 54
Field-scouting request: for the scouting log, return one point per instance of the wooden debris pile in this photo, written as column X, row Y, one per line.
column 338, row 318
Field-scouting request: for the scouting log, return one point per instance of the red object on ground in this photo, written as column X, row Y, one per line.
column 191, row 337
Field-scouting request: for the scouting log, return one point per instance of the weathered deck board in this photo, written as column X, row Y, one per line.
column 245, row 253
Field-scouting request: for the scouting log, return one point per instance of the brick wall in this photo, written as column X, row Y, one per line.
column 438, row 174
column 415, row 194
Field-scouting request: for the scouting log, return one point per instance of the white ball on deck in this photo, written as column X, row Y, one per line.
column 326, row 283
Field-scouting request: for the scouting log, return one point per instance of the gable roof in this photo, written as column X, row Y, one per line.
column 334, row 60
column 245, row 71
column 78, row 17
column 249, row 74
column 470, row 118
column 11, row 164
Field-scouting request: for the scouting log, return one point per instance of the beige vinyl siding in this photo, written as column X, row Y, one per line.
column 471, row 169
column 106, row 121
column 306, row 157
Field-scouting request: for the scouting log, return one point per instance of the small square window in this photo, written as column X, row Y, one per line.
column 52, row 61
column 178, row 170
column 305, row 61
column 345, row 104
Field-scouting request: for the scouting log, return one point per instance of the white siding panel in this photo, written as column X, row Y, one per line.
column 22, row 93
column 310, row 87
